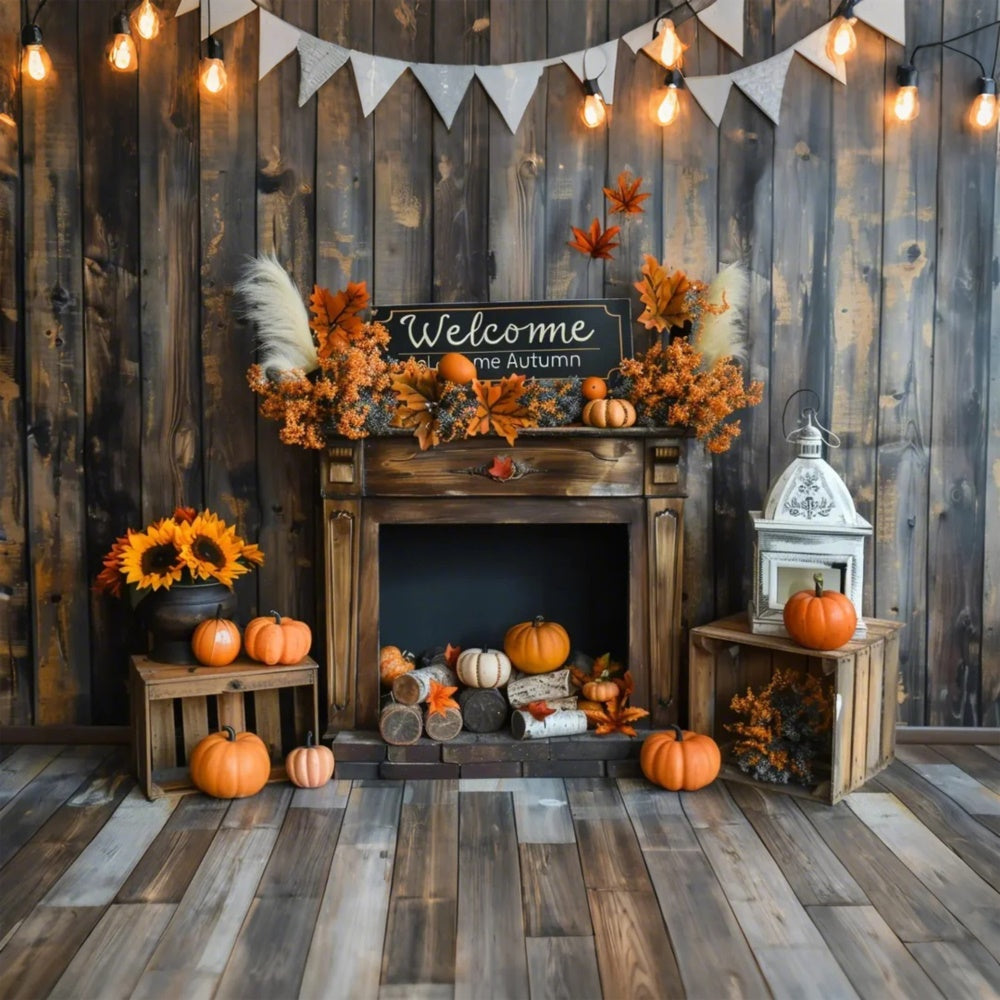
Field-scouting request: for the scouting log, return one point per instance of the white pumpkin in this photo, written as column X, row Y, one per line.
column 483, row 668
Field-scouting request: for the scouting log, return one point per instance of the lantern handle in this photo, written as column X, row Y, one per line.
column 828, row 437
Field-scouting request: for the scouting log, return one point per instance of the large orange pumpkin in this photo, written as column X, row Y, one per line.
column 310, row 766
column 216, row 641
column 679, row 759
column 538, row 646
column 273, row 639
column 820, row 619
column 609, row 413
column 230, row 765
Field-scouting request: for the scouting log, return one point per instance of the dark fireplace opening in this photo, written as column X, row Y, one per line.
column 468, row 583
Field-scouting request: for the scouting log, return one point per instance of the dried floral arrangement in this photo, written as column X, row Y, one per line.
column 786, row 728
column 327, row 371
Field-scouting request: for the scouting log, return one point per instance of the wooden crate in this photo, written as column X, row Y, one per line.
column 726, row 658
column 173, row 707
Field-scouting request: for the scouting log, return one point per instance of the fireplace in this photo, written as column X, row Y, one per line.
column 403, row 525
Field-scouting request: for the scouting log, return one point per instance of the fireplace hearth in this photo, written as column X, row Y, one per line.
column 401, row 525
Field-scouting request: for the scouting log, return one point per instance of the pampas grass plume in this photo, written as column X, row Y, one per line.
column 722, row 334
column 272, row 303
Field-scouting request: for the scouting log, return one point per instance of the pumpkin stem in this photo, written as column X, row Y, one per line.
column 309, row 739
column 678, row 733
column 218, row 612
column 230, row 733
column 277, row 616
column 818, row 577
column 538, row 621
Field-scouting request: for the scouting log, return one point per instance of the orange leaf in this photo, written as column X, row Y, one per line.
column 539, row 709
column 335, row 321
column 625, row 686
column 451, row 655
column 500, row 409
column 626, row 197
column 502, row 467
column 664, row 296
column 595, row 242
column 418, row 392
column 440, row 698
column 615, row 718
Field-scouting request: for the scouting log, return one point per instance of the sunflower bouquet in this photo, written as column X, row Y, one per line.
column 188, row 547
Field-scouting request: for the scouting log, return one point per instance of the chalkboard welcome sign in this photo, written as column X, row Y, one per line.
column 538, row 339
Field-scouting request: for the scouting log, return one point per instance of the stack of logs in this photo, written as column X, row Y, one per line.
column 405, row 716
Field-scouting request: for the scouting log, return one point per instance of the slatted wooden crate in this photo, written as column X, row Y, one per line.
column 173, row 707
column 726, row 658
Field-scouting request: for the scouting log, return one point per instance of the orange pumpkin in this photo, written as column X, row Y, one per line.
column 230, row 765
column 600, row 690
column 310, row 766
column 273, row 639
column 680, row 759
column 457, row 368
column 593, row 387
column 393, row 661
column 537, row 647
column 609, row 413
column 820, row 619
column 216, row 641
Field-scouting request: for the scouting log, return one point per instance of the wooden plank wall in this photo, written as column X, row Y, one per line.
column 128, row 205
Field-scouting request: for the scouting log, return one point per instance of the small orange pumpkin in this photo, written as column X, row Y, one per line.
column 216, row 641
column 609, row 413
column 680, row 759
column 230, row 765
column 593, row 387
column 538, row 646
column 600, row 690
column 457, row 368
column 273, row 639
column 820, row 619
column 393, row 661
column 310, row 766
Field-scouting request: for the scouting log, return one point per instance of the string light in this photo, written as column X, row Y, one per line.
column 907, row 105
column 671, row 47
column 983, row 113
column 213, row 69
column 665, row 103
column 122, row 53
column 594, row 110
column 841, row 40
column 35, row 62
column 146, row 20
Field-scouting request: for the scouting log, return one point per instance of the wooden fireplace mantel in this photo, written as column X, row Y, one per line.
column 631, row 477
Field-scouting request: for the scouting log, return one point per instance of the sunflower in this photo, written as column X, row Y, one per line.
column 109, row 580
column 252, row 554
column 210, row 550
column 151, row 558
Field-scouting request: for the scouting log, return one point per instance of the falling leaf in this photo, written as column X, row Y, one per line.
column 596, row 242
column 502, row 468
column 418, row 392
column 539, row 709
column 664, row 296
column 335, row 321
column 626, row 197
column 615, row 718
column 440, row 698
column 499, row 408
column 451, row 655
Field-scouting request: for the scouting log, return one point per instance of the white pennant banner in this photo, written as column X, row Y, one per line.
column 724, row 18
column 712, row 93
column 885, row 16
column 318, row 61
column 511, row 87
column 599, row 57
column 445, row 86
column 277, row 39
column 374, row 76
column 813, row 48
column 764, row 82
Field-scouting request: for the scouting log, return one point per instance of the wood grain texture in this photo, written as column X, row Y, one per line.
column 563, row 967
column 958, row 968
column 555, row 898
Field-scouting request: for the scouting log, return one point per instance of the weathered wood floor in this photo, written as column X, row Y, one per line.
column 504, row 888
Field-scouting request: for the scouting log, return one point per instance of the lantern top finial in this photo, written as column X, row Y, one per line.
column 810, row 438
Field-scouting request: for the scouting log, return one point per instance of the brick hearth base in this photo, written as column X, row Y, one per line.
column 488, row 755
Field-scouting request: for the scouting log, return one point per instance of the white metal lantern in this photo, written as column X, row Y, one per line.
column 809, row 525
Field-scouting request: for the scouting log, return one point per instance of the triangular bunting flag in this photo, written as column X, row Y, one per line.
column 445, row 86
column 318, row 61
column 511, row 88
column 277, row 39
column 600, row 61
column 724, row 18
column 638, row 37
column 224, row 12
column 186, row 6
column 375, row 75
column 764, row 82
column 886, row 16
column 813, row 48
column 712, row 93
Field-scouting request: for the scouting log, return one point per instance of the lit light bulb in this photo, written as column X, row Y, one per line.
column 665, row 103
column 983, row 113
column 35, row 61
column 122, row 54
column 213, row 75
column 671, row 47
column 146, row 19
column 594, row 111
column 841, row 41
column 907, row 105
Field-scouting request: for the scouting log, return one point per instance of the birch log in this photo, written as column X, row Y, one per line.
column 524, row 726
column 526, row 688
column 400, row 725
column 415, row 686
column 442, row 726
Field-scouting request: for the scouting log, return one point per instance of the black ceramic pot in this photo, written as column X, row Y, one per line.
column 171, row 617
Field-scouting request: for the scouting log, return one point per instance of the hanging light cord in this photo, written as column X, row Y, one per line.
column 945, row 44
column 38, row 9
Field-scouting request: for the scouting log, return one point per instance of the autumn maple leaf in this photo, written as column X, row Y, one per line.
column 595, row 242
column 418, row 391
column 439, row 700
column 664, row 296
column 502, row 468
column 615, row 718
column 451, row 655
column 335, row 319
column 499, row 408
column 626, row 197
column 539, row 709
